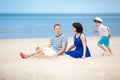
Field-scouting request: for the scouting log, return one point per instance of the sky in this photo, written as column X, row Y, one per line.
column 59, row 6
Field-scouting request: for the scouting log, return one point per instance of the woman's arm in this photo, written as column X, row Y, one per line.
column 71, row 47
column 84, row 45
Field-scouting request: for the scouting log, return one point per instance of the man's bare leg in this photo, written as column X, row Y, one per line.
column 37, row 48
column 23, row 55
column 38, row 51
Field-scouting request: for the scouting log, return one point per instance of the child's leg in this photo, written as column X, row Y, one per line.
column 102, row 47
column 109, row 49
column 100, row 42
column 107, row 43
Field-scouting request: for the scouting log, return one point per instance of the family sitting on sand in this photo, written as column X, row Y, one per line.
column 78, row 49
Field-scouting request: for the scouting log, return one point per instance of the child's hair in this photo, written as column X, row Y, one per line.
column 97, row 21
column 78, row 26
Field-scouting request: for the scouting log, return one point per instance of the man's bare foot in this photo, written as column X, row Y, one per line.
column 23, row 55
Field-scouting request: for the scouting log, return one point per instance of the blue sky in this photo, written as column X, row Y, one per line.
column 59, row 6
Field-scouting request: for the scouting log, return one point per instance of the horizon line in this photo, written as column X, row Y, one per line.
column 59, row 13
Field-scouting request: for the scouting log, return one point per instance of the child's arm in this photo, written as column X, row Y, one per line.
column 96, row 31
column 109, row 35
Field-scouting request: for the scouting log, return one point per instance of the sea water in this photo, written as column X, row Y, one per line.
column 14, row 26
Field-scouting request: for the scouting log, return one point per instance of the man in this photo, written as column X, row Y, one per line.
column 57, row 45
column 105, row 35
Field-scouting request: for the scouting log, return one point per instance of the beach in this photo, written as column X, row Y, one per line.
column 97, row 67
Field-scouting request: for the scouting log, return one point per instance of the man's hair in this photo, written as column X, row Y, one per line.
column 57, row 25
column 78, row 27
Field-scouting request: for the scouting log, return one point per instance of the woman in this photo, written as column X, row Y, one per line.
column 81, row 50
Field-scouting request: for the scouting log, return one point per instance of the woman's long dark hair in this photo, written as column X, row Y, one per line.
column 78, row 27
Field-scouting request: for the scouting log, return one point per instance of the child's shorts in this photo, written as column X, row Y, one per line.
column 104, row 40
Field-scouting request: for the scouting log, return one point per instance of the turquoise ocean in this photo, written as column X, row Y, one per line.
column 15, row 26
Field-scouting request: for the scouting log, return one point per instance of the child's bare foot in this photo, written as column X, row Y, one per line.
column 104, row 53
column 23, row 55
column 107, row 53
column 111, row 53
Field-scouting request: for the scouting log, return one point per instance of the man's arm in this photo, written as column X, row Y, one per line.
column 64, row 46
column 49, row 45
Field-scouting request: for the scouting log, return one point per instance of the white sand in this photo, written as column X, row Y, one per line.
column 98, row 67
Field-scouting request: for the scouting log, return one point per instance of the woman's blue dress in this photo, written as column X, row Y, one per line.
column 78, row 51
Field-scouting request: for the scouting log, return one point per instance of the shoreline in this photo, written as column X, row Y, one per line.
column 50, row 37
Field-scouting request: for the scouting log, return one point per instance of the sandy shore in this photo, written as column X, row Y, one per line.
column 98, row 67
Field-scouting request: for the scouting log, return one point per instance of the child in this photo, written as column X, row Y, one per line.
column 105, row 35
